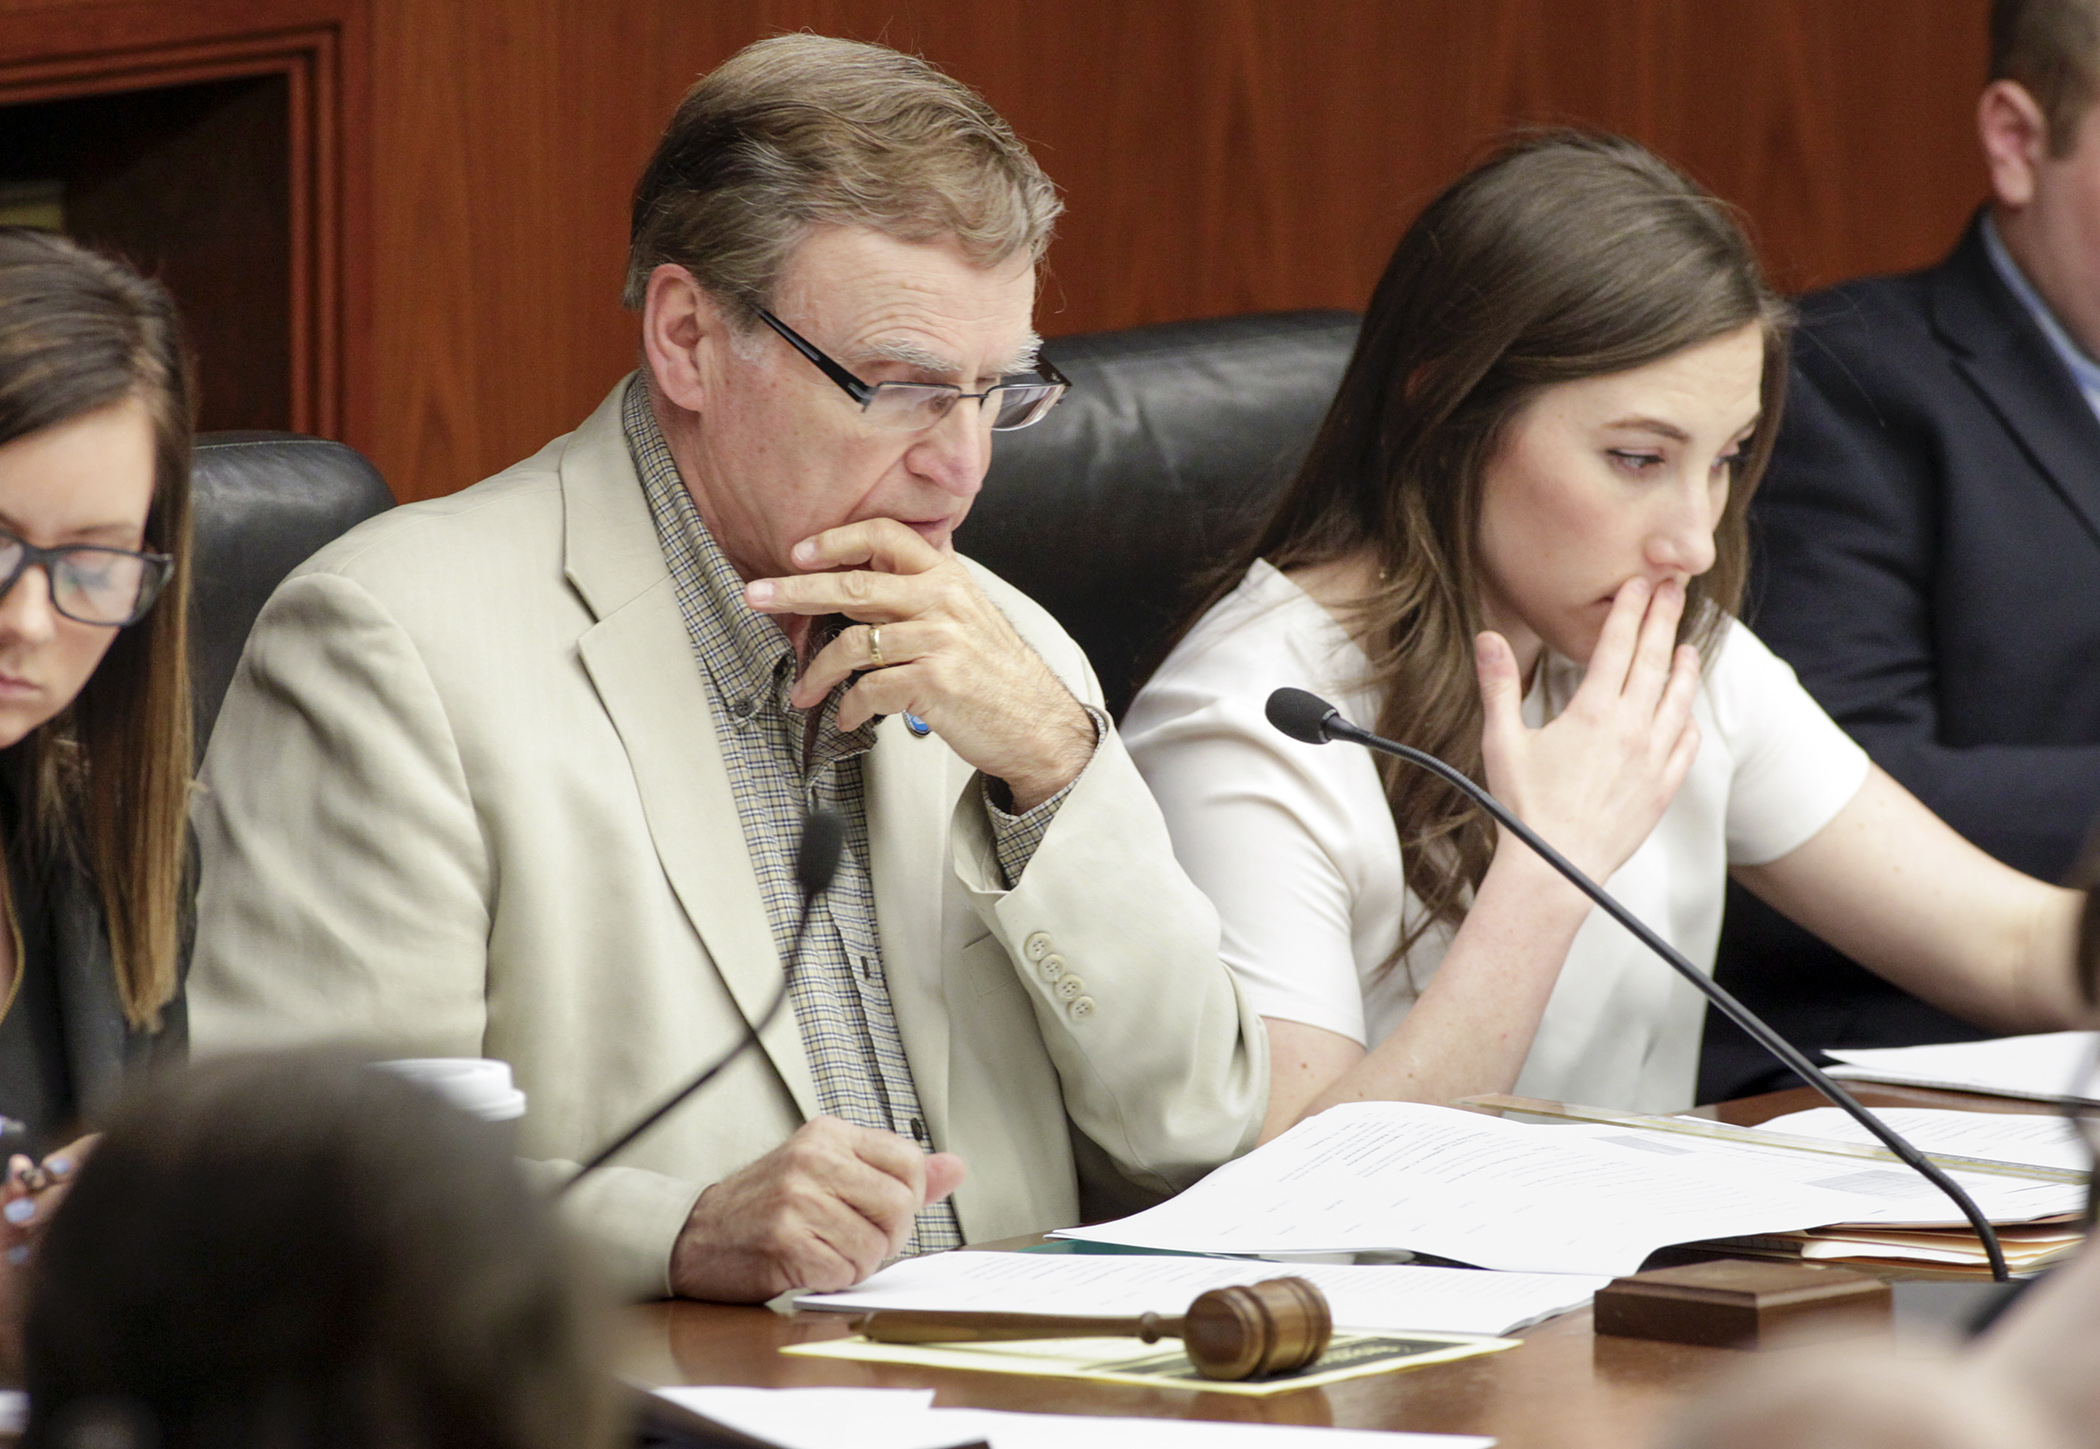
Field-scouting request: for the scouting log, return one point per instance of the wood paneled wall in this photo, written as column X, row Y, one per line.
column 1217, row 155
column 222, row 145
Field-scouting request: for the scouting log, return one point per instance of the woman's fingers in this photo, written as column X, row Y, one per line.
column 1653, row 654
column 1679, row 764
column 1674, row 710
column 1501, row 699
column 1613, row 656
column 1595, row 780
column 1501, row 689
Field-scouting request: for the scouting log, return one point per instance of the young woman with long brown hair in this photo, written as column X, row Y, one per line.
column 1519, row 543
column 95, row 760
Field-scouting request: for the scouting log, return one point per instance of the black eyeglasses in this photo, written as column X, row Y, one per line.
column 910, row 406
column 89, row 584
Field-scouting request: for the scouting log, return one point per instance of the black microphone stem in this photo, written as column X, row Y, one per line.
column 1335, row 727
column 816, row 860
column 664, row 1108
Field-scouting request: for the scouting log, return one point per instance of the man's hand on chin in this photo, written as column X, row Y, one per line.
column 823, row 1210
column 933, row 646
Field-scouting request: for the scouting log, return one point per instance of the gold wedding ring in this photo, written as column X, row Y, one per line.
column 875, row 645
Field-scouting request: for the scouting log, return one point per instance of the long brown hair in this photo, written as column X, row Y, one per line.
column 1568, row 255
column 108, row 777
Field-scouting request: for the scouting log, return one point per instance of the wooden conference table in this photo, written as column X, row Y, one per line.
column 1566, row 1388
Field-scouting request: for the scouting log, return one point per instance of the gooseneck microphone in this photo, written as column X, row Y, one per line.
column 1307, row 717
column 816, row 862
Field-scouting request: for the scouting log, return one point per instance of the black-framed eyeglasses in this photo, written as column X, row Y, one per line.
column 914, row 405
column 90, row 584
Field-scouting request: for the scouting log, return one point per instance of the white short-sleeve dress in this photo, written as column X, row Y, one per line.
column 1297, row 848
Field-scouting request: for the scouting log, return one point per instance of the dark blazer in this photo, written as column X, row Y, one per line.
column 103, row 1050
column 70, row 1050
column 1928, row 559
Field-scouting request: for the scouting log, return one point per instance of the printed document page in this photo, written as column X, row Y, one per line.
column 2041, row 1067
column 1374, row 1299
column 1005, row 1430
column 2040, row 1139
column 906, row 1419
column 1367, row 1176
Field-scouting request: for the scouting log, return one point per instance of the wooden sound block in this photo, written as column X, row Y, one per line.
column 1731, row 1303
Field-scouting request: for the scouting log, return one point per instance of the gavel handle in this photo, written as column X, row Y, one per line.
column 896, row 1325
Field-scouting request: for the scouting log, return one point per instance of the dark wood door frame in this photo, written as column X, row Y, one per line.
column 75, row 48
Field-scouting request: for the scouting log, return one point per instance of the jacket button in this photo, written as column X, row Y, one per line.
column 1069, row 988
column 1084, row 1006
column 1053, row 967
column 1037, row 946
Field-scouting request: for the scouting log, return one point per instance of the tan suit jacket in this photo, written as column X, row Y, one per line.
column 465, row 798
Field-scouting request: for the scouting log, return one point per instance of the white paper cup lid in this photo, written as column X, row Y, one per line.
column 477, row 1085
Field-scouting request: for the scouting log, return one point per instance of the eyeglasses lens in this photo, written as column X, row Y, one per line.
column 909, row 404
column 912, row 405
column 1024, row 404
column 89, row 584
column 99, row 586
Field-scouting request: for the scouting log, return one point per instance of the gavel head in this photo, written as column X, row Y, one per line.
column 1252, row 1332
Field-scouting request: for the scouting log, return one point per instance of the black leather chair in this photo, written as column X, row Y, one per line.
column 263, row 502
column 1170, row 447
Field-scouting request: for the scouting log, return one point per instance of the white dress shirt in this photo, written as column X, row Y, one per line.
column 1296, row 844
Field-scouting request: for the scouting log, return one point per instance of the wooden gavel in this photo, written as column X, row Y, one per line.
column 1250, row 1332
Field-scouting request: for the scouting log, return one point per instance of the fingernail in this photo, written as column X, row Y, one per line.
column 760, row 593
column 58, row 1166
column 805, row 552
column 18, row 1254
column 20, row 1211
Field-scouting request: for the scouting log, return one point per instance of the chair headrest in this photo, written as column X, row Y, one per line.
column 1168, row 451
column 263, row 503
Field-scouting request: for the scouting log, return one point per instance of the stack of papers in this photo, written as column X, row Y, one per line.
column 2046, row 1068
column 1372, row 1176
column 1880, row 1191
column 2033, row 1139
column 2023, row 1171
column 2028, row 1247
column 2036, row 1141
column 906, row 1419
column 1596, row 1198
column 1369, row 1299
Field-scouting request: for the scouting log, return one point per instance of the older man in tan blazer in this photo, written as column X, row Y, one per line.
column 518, row 772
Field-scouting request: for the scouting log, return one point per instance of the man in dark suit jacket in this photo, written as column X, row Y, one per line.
column 1929, row 534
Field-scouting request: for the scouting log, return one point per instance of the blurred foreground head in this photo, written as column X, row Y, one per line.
column 1869, row 1397
column 301, row 1251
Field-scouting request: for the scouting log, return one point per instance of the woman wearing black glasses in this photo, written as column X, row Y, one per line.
column 94, row 690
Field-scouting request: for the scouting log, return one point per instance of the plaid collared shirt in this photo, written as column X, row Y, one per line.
column 782, row 764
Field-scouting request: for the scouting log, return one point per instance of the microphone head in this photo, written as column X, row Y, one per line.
column 817, row 857
column 1301, row 715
